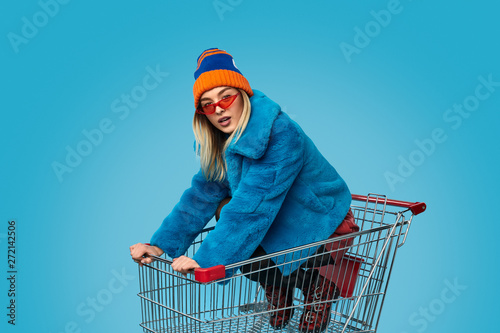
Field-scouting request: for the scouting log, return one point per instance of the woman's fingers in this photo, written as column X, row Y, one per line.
column 140, row 253
column 146, row 260
column 137, row 252
column 184, row 265
column 181, row 264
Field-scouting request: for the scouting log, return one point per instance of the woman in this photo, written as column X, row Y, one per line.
column 283, row 192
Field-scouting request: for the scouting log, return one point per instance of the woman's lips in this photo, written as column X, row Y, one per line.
column 224, row 121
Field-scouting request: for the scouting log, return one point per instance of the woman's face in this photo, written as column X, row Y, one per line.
column 224, row 120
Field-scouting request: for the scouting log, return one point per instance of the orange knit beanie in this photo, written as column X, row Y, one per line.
column 217, row 68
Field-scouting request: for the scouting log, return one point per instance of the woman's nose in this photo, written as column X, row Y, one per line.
column 219, row 110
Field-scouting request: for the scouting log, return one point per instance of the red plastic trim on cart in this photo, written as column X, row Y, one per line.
column 210, row 274
column 415, row 207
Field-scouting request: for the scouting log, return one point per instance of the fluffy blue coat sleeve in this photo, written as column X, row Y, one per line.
column 245, row 220
column 188, row 218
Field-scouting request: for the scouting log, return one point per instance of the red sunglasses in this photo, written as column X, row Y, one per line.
column 223, row 103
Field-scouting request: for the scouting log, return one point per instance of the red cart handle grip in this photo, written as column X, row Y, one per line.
column 210, row 274
column 415, row 207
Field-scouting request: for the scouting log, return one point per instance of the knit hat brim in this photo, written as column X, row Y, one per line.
column 217, row 78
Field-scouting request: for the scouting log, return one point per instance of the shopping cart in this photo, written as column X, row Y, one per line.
column 211, row 302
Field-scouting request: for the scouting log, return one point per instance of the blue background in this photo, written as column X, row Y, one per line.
column 364, row 111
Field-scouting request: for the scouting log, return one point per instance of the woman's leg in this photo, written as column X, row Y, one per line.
column 270, row 278
column 278, row 289
column 263, row 271
column 320, row 292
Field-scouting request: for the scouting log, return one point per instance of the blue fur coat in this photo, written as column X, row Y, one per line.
column 284, row 194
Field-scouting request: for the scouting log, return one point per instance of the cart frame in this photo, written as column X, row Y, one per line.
column 214, row 301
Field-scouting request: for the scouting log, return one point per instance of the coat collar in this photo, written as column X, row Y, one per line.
column 253, row 142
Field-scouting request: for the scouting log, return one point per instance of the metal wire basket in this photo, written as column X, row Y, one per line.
column 360, row 268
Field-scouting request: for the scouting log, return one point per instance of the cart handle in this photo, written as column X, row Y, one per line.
column 415, row 207
column 219, row 272
column 202, row 275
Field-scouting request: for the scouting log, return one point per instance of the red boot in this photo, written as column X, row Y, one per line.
column 279, row 298
column 316, row 317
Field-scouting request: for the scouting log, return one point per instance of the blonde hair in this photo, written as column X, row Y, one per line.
column 211, row 143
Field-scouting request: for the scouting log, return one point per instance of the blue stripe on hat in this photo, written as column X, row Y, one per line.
column 216, row 61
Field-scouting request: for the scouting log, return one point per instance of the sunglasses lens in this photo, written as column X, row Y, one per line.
column 207, row 109
column 223, row 103
column 226, row 102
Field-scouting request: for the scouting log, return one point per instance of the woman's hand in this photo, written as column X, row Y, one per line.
column 137, row 251
column 184, row 265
